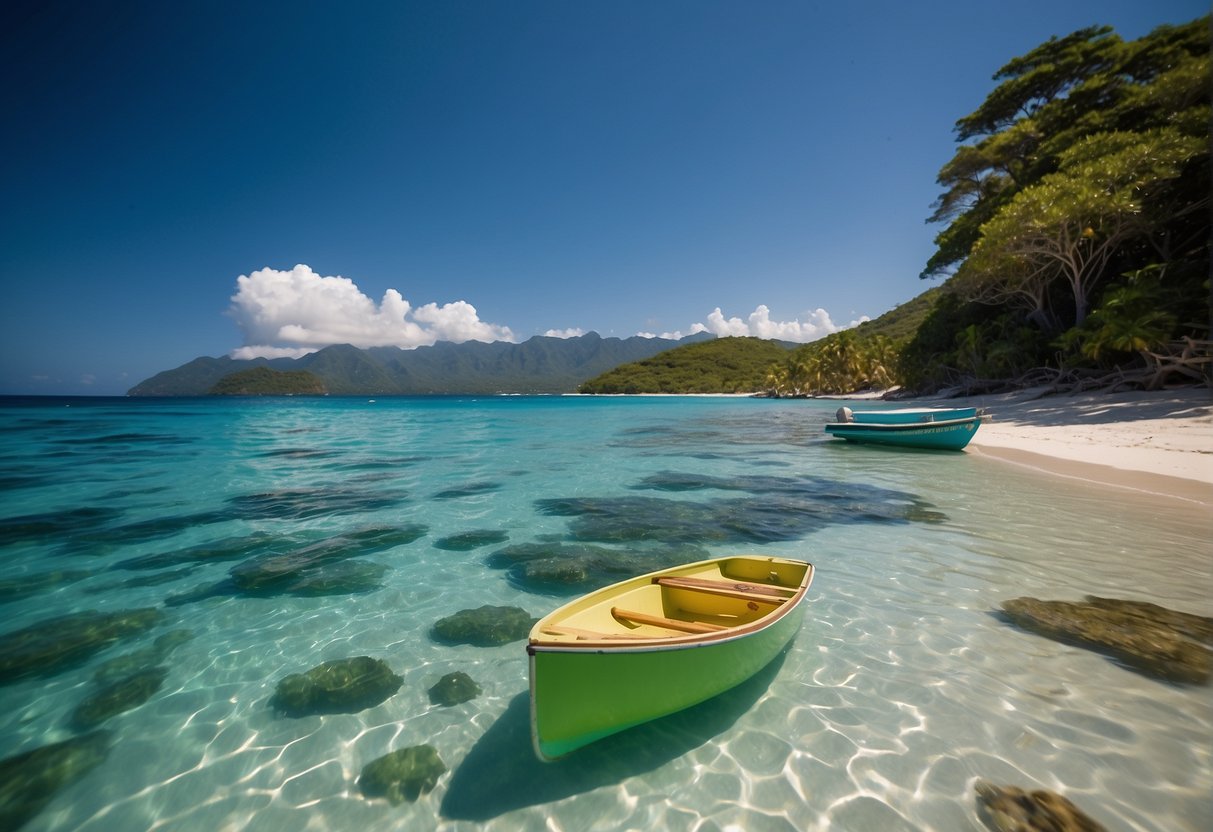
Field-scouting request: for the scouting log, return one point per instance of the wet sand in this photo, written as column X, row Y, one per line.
column 1154, row 442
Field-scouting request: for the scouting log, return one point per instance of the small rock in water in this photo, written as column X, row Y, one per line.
column 453, row 689
column 344, row 686
column 487, row 626
column 1011, row 809
column 403, row 775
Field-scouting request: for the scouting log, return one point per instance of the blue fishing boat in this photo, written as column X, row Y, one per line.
column 937, row 428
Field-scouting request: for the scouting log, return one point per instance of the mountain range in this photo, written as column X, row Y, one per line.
column 540, row 365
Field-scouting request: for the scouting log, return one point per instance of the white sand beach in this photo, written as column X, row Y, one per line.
column 1157, row 442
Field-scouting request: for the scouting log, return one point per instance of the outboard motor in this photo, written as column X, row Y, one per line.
column 844, row 414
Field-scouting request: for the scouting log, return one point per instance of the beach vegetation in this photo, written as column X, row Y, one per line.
column 1076, row 214
column 842, row 362
column 849, row 360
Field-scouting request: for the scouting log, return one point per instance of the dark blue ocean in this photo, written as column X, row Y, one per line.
column 199, row 551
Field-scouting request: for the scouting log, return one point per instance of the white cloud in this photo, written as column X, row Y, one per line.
column 759, row 325
column 571, row 332
column 676, row 335
column 289, row 314
column 262, row 351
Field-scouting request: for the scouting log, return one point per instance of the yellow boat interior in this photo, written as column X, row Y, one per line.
column 698, row 602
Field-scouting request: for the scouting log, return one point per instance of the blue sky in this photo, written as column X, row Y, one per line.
column 187, row 178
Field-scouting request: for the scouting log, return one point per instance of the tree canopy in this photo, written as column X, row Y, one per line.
column 1077, row 197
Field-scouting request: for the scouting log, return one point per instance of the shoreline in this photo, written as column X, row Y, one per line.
column 1158, row 442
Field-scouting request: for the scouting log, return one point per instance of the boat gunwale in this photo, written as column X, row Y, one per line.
column 675, row 642
column 895, row 427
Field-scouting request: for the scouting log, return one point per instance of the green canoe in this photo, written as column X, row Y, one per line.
column 657, row 644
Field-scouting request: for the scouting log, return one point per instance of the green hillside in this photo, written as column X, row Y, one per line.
column 748, row 365
column 901, row 324
column 724, row 365
column 262, row 381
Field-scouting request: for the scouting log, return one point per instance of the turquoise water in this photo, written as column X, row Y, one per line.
column 902, row 689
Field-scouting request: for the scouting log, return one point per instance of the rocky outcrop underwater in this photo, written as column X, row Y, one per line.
column 1153, row 640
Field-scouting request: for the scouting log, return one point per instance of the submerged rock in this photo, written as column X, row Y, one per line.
column 1011, row 809
column 171, row 640
column 57, row 644
column 55, row 525
column 29, row 780
column 230, row 548
column 562, row 568
column 467, row 541
column 150, row 579
column 346, row 578
column 768, row 509
column 142, row 659
column 403, row 775
column 1154, row 640
column 280, row 571
column 453, row 689
column 15, row 589
column 119, row 697
column 343, row 686
column 486, row 626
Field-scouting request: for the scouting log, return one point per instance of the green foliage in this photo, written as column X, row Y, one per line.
column 960, row 339
column 1132, row 317
column 867, row 356
column 262, row 381
column 1069, row 226
column 1088, row 161
column 722, row 365
column 902, row 322
column 842, row 362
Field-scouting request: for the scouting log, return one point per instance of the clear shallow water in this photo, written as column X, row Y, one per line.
column 901, row 690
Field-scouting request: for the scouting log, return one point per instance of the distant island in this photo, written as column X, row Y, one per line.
column 540, row 365
column 262, row 381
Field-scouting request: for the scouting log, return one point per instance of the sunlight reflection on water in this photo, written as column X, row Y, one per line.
column 900, row 691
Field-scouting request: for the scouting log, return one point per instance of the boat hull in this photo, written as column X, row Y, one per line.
column 952, row 435
column 582, row 692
